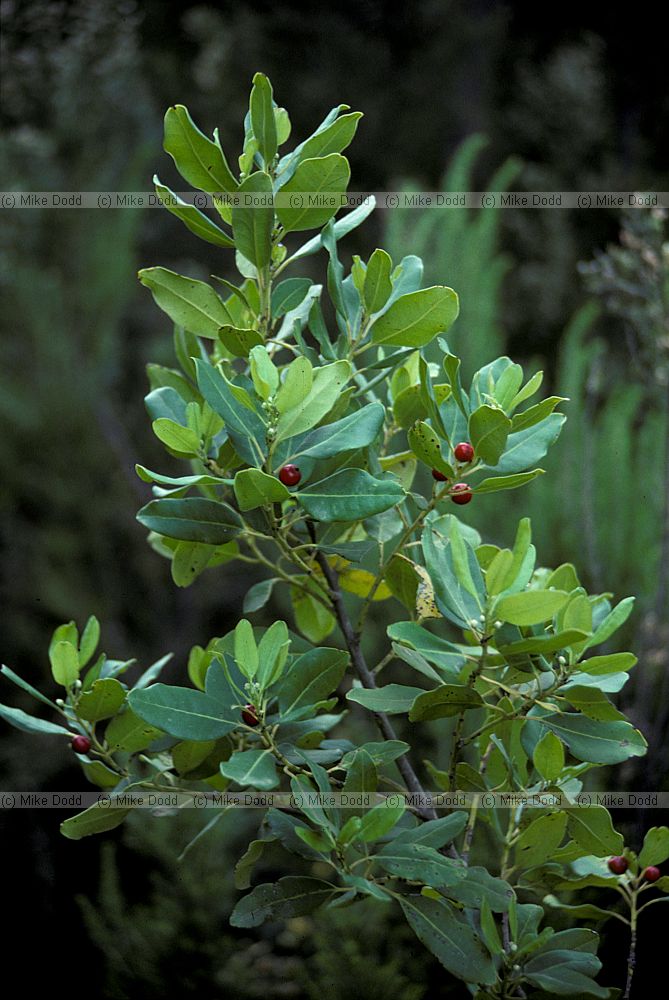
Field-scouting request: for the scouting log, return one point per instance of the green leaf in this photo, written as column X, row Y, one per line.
column 246, row 864
column 596, row 742
column 613, row 621
column 557, row 973
column 25, row 686
column 317, row 178
column 586, row 911
column 531, row 606
column 29, row 723
column 292, row 896
column 488, row 432
column 253, row 219
column 489, row 930
column 540, row 839
column 102, row 700
column 380, row 753
column 258, row 595
column 497, row 483
column 655, row 848
column 436, row 832
column 283, row 126
column 189, row 303
column 263, row 121
column 341, row 228
column 612, row 663
column 324, row 391
column 392, row 699
column 192, row 558
column 478, row 885
column 333, row 139
column 425, row 444
column 542, row 643
column 444, row 702
column 189, row 754
column 452, row 941
column 284, row 827
column 254, row 488
column 463, row 558
column 287, row 295
column 182, row 712
column 357, row 430
column 199, row 160
column 531, row 386
column 453, row 601
column 414, row 319
column 534, row 414
column 180, row 439
column 98, row 818
column 349, row 495
column 402, row 579
column 361, row 776
column 273, row 653
column 255, row 768
column 548, row 756
column 311, row 678
column 245, row 426
column 64, row 663
column 527, row 447
column 246, row 651
column 239, row 341
column 439, row 651
column 590, row 699
column 296, row 385
column 99, row 774
column 592, row 829
column 313, row 620
column 192, row 519
column 193, row 219
column 90, row 638
column 420, row 862
column 377, row 286
column 379, row 821
column 129, row 733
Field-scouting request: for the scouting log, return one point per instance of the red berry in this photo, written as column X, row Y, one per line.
column 652, row 873
column 464, row 452
column 290, row 475
column 618, row 865
column 81, row 744
column 250, row 715
column 461, row 493
column 439, row 476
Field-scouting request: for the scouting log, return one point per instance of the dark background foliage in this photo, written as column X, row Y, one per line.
column 579, row 100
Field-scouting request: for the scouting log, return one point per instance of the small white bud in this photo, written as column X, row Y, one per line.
column 562, row 660
column 60, row 702
column 498, row 624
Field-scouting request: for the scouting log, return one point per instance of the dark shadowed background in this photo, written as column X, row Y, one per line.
column 461, row 95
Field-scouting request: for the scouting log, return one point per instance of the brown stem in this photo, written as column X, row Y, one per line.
column 631, row 963
column 368, row 681
column 469, row 832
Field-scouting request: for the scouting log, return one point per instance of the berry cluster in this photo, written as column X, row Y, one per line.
column 619, row 865
column 461, row 493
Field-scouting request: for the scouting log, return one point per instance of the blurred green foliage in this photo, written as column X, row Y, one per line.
column 174, row 927
column 461, row 247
